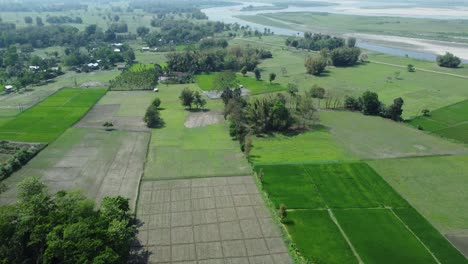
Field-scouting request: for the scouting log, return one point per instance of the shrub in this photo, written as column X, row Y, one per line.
column 283, row 212
column 156, row 102
column 345, row 56
column 315, row 65
column 153, row 118
column 448, row 60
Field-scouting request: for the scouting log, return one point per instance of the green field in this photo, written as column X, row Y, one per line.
column 379, row 237
column 206, row 83
column 178, row 152
column 339, row 140
column 374, row 217
column 450, row 121
column 435, row 186
column 50, row 118
column 318, row 238
column 447, row 30
column 334, row 185
column 419, row 90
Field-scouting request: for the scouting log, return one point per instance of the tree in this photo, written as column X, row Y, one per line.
column 352, row 104
column 39, row 22
column 370, row 103
column 317, row 92
column 108, row 125
column 225, row 80
column 345, row 56
column 272, row 77
column 244, row 71
column 283, row 212
column 142, row 31
column 351, row 42
column 28, row 20
column 426, row 112
column 187, row 98
column 395, row 110
column 411, row 68
column 448, row 60
column 258, row 74
column 153, row 118
column 315, row 65
column 156, row 102
column 292, row 89
column 198, row 100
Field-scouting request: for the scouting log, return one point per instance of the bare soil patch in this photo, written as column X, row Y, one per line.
column 201, row 119
column 100, row 163
column 103, row 113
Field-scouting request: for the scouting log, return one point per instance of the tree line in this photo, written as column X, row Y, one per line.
column 64, row 228
column 369, row 104
column 212, row 60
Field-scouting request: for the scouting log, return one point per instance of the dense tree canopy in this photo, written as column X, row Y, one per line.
column 315, row 42
column 65, row 228
column 448, row 60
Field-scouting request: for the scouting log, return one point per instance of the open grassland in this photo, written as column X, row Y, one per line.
column 318, row 238
column 419, row 90
column 50, row 118
column 450, row 121
column 380, row 237
column 369, row 137
column 206, row 83
column 338, row 139
column 435, row 186
column 447, row 30
column 98, row 162
column 178, row 152
column 378, row 223
column 316, row 145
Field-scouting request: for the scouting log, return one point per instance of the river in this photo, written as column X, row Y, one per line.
column 398, row 46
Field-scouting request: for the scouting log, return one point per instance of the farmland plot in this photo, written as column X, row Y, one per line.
column 101, row 163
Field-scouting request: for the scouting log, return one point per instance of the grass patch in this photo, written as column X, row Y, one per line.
column 132, row 104
column 318, row 238
column 316, row 145
column 50, row 118
column 435, row 186
column 337, row 185
column 379, row 237
column 419, row 90
column 432, row 238
column 180, row 152
column 206, row 83
column 379, row 138
column 450, row 121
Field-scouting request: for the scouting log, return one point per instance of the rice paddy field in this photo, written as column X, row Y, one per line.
column 51, row 117
column 348, row 209
column 450, row 121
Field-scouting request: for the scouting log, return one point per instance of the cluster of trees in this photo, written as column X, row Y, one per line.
column 265, row 115
column 339, row 57
column 233, row 58
column 315, row 42
column 189, row 98
column 63, row 20
column 14, row 67
column 34, row 6
column 369, row 104
column 64, row 228
column 448, row 60
column 181, row 32
column 165, row 10
column 19, row 159
column 152, row 116
column 209, row 43
column 144, row 79
column 121, row 27
column 104, row 54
